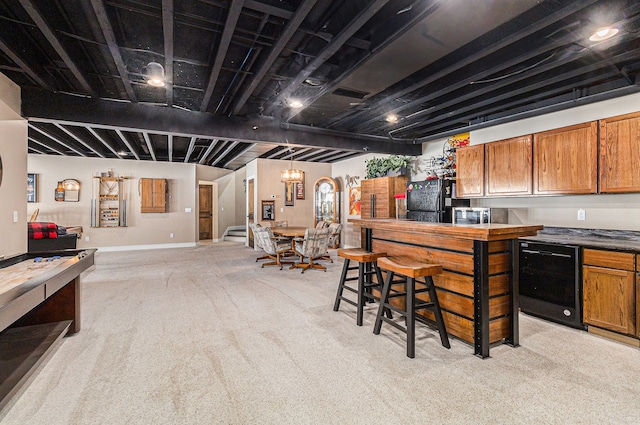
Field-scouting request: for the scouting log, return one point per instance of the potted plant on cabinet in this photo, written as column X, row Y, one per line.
column 391, row 165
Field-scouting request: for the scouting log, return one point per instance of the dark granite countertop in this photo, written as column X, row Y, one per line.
column 621, row 240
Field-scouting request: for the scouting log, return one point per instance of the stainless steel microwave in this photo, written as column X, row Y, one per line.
column 480, row 215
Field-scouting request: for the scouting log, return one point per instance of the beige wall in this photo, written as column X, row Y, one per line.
column 13, row 152
column 13, row 194
column 143, row 230
column 268, row 183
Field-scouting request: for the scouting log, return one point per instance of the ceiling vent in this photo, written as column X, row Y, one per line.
column 350, row 93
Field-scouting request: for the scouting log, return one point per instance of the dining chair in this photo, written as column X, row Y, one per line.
column 334, row 236
column 274, row 246
column 322, row 224
column 256, row 241
column 313, row 246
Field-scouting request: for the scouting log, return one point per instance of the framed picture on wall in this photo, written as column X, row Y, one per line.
column 32, row 187
column 268, row 210
column 300, row 188
column 289, row 194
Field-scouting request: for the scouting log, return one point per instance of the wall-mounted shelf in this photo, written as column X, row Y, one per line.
column 109, row 202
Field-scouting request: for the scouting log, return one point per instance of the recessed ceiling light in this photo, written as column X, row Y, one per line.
column 295, row 104
column 391, row 118
column 604, row 34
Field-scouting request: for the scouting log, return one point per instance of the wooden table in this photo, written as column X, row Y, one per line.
column 478, row 289
column 289, row 231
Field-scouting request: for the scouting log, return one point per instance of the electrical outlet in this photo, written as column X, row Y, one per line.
column 170, row 235
column 582, row 215
column 86, row 238
column 15, row 216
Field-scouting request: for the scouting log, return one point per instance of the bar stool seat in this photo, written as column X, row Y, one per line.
column 409, row 271
column 367, row 268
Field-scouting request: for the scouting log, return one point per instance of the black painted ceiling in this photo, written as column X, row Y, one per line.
column 233, row 67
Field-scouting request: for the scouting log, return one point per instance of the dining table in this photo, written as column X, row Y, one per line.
column 292, row 232
column 289, row 231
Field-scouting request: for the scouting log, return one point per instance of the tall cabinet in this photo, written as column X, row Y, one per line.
column 377, row 196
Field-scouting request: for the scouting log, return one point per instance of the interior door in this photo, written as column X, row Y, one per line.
column 250, row 210
column 205, row 221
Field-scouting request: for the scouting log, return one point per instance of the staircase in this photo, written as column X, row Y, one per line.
column 235, row 234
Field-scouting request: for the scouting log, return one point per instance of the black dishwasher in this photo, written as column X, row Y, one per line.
column 550, row 282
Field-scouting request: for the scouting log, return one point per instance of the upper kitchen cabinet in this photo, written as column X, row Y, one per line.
column 470, row 171
column 508, row 167
column 565, row 160
column 620, row 154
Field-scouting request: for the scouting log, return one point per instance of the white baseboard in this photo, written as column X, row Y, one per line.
column 151, row 246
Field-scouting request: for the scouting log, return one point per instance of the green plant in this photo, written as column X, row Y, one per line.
column 379, row 167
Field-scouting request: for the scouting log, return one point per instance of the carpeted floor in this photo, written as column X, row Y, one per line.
column 204, row 336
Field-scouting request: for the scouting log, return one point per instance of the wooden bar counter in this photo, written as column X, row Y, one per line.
column 478, row 289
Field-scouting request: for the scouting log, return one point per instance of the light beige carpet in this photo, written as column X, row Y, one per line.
column 204, row 336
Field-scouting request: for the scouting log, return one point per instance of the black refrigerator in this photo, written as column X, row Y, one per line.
column 432, row 200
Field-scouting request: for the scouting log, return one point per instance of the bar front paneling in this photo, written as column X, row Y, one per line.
column 475, row 287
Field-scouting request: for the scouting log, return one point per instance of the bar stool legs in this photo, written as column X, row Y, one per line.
column 366, row 268
column 409, row 270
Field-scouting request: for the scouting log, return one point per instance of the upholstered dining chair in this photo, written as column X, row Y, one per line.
column 275, row 247
column 253, row 227
column 322, row 224
column 313, row 247
column 334, row 236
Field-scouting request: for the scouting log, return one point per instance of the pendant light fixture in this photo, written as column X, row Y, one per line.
column 154, row 73
column 292, row 175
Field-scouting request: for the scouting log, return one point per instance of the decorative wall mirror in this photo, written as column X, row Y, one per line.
column 71, row 190
column 268, row 210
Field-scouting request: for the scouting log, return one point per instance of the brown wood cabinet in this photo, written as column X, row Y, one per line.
column 565, row 160
column 383, row 190
column 153, row 195
column 620, row 154
column 638, row 295
column 508, row 167
column 470, row 171
column 609, row 288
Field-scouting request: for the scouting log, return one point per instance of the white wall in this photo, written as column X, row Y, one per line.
column 13, row 152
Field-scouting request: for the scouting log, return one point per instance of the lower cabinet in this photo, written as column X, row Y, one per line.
column 638, row 295
column 609, row 287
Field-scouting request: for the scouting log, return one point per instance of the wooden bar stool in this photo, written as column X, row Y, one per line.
column 366, row 267
column 409, row 270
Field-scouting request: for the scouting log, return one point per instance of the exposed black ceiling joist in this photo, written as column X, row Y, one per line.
column 43, row 26
column 75, row 110
column 223, row 46
column 110, row 38
column 288, row 32
column 332, row 47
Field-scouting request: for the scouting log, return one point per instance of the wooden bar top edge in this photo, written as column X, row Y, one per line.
column 482, row 232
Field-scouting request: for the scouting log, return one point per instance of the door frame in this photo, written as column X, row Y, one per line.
column 255, row 203
column 214, row 210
